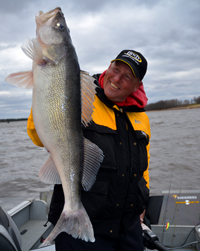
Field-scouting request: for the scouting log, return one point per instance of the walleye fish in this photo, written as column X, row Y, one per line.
column 62, row 99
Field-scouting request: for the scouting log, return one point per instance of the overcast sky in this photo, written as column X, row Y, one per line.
column 166, row 32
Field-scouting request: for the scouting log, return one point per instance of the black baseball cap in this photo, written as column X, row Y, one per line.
column 135, row 60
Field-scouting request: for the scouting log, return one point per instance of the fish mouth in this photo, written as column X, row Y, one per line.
column 42, row 17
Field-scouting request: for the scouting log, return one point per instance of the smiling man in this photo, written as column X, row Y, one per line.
column 119, row 82
column 120, row 127
column 124, row 75
column 117, row 201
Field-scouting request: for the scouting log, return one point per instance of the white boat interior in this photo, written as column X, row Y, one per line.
column 174, row 219
column 27, row 227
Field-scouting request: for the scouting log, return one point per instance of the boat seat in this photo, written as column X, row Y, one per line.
column 10, row 239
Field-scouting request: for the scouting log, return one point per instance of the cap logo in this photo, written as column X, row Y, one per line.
column 135, row 57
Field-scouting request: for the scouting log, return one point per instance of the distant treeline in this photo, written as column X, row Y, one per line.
column 160, row 105
column 173, row 103
column 11, row 120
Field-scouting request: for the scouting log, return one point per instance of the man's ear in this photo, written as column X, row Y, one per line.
column 140, row 83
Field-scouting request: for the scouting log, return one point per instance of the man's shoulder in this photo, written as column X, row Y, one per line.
column 96, row 76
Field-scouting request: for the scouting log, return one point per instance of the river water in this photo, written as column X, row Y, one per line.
column 174, row 163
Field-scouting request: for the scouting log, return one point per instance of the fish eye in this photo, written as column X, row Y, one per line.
column 59, row 25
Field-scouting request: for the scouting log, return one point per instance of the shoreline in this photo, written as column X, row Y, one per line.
column 177, row 108
column 12, row 120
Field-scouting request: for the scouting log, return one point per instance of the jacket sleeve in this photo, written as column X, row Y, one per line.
column 146, row 173
column 144, row 182
column 31, row 131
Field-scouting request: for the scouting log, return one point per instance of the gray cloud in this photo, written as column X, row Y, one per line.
column 166, row 32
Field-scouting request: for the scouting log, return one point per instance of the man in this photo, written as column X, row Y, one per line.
column 117, row 201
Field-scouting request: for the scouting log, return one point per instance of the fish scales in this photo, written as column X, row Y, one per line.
column 58, row 88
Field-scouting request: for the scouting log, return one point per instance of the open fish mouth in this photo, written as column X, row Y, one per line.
column 42, row 17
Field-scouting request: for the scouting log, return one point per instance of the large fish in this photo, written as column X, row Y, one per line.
column 62, row 99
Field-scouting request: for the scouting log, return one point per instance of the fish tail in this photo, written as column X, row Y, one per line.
column 75, row 223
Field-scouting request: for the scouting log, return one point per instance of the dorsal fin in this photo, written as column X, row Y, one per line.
column 93, row 156
column 87, row 93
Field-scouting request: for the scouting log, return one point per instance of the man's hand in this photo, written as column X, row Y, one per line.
column 142, row 216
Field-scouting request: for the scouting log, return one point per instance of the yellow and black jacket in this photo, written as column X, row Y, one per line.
column 121, row 190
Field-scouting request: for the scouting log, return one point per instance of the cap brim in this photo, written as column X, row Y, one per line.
column 134, row 71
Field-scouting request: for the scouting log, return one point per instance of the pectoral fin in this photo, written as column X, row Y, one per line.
column 33, row 50
column 22, row 79
column 93, row 156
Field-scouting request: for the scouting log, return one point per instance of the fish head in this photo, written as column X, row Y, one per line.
column 53, row 34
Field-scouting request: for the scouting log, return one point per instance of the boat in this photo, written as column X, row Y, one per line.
column 25, row 227
column 172, row 222
column 174, row 218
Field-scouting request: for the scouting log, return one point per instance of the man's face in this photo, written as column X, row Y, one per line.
column 119, row 82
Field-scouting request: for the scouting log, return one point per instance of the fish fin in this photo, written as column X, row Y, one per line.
column 75, row 223
column 22, row 79
column 93, row 156
column 48, row 172
column 33, row 50
column 87, row 93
